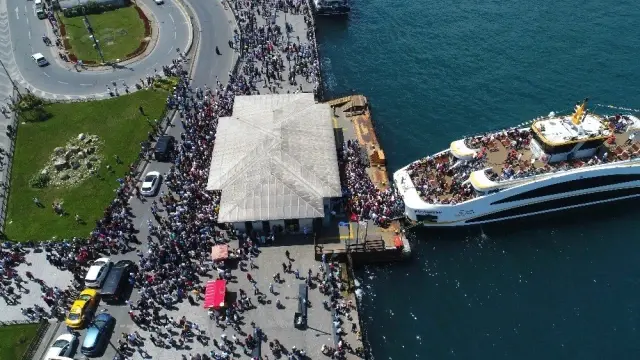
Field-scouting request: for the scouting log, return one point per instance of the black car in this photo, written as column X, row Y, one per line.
column 164, row 148
column 116, row 286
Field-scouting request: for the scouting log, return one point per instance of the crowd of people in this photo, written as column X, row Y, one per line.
column 366, row 201
column 441, row 180
column 270, row 51
column 177, row 254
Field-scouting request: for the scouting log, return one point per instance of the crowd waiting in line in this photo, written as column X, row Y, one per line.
column 365, row 200
column 266, row 47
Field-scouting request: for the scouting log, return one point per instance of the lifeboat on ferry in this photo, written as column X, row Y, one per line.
column 461, row 151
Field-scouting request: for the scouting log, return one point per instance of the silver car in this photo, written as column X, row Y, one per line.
column 97, row 272
column 64, row 346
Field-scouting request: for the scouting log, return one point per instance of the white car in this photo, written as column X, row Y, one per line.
column 97, row 272
column 159, row 2
column 151, row 183
column 39, row 59
column 64, row 346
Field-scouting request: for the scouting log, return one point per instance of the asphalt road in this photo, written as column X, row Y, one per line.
column 215, row 26
column 57, row 82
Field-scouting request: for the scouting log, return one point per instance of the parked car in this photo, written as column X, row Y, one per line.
column 164, row 148
column 98, row 272
column 39, row 59
column 151, row 183
column 82, row 309
column 64, row 346
column 98, row 334
column 116, row 285
column 128, row 265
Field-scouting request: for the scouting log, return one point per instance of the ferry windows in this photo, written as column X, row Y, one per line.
column 427, row 218
column 568, row 186
column 551, row 150
column 557, row 204
column 591, row 144
column 560, row 149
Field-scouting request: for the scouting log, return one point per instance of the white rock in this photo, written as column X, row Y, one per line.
column 60, row 164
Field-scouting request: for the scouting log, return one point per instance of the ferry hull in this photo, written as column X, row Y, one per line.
column 329, row 11
column 583, row 187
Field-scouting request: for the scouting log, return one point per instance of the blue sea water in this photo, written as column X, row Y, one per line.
column 565, row 287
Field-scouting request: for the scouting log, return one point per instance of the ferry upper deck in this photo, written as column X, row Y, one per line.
column 487, row 163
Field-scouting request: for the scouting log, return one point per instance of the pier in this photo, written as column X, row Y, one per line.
column 361, row 242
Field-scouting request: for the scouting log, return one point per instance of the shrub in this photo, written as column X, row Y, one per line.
column 63, row 29
column 73, row 57
column 141, row 48
column 166, row 83
column 91, row 7
column 40, row 181
column 66, row 43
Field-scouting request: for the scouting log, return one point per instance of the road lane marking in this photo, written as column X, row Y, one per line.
column 46, row 74
column 17, row 11
column 175, row 35
column 34, row 10
column 62, row 82
column 85, row 84
column 172, row 19
column 29, row 34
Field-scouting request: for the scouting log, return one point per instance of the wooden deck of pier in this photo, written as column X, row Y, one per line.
column 352, row 121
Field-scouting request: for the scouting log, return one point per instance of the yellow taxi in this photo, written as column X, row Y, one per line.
column 86, row 302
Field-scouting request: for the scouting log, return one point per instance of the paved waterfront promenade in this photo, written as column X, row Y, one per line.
column 275, row 323
column 290, row 50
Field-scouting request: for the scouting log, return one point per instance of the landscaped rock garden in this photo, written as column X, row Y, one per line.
column 71, row 164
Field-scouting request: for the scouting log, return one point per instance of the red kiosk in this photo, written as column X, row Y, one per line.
column 214, row 295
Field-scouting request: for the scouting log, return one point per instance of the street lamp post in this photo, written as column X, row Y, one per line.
column 87, row 24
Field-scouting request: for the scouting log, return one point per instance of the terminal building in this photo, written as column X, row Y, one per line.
column 276, row 164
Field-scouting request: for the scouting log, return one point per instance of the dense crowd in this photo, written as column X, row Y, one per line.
column 366, row 201
column 266, row 47
column 440, row 180
column 184, row 229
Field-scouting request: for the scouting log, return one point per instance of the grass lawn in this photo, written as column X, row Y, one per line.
column 14, row 340
column 118, row 31
column 120, row 127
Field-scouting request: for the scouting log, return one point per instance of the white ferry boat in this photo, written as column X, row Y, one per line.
column 556, row 163
column 332, row 7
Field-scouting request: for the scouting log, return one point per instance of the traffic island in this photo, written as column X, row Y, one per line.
column 74, row 159
column 121, row 34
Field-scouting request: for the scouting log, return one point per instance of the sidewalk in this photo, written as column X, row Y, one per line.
column 47, row 339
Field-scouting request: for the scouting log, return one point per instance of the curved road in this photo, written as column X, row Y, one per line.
column 58, row 82
column 215, row 27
